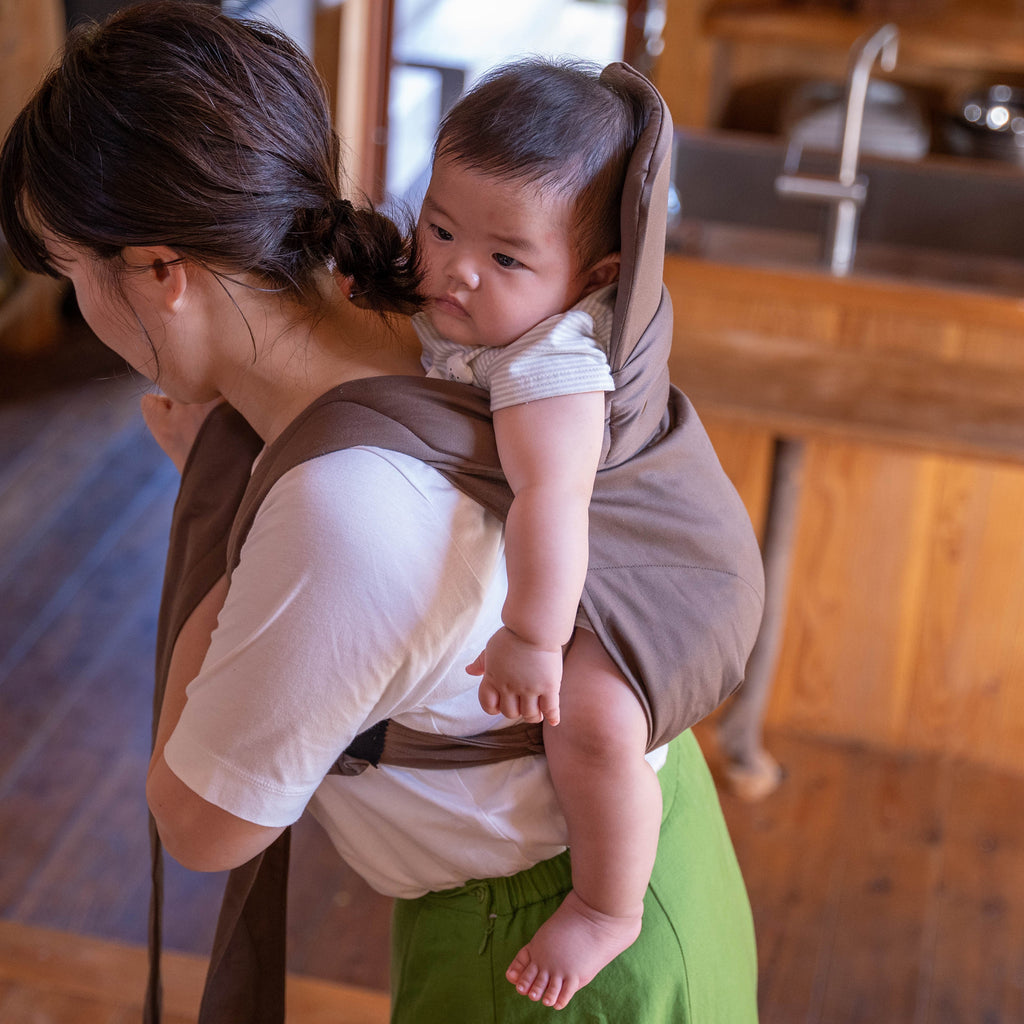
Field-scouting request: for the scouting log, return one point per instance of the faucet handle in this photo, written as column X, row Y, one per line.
column 820, row 186
column 794, row 151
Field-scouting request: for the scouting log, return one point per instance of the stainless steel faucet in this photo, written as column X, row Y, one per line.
column 845, row 193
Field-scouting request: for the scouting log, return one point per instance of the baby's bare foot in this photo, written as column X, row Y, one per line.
column 174, row 425
column 568, row 950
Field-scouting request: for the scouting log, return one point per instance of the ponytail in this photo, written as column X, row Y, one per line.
column 382, row 261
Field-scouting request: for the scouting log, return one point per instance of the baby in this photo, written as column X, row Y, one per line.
column 519, row 237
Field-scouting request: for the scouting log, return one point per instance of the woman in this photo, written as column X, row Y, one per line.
column 179, row 168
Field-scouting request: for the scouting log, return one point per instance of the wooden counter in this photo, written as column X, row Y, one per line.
column 904, row 619
column 905, row 605
column 799, row 376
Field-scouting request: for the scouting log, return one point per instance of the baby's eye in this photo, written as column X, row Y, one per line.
column 505, row 261
column 441, row 233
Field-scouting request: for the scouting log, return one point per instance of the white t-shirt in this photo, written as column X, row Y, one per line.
column 365, row 586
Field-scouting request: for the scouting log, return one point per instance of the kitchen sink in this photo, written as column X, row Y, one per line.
column 949, row 221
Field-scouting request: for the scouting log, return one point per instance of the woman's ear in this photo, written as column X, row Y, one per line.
column 160, row 274
column 603, row 272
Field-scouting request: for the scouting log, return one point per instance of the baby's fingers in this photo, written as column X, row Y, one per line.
column 530, row 710
column 510, row 705
column 490, row 699
column 549, row 710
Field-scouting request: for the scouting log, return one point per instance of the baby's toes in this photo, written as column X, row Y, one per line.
column 522, row 971
column 540, row 987
column 562, row 996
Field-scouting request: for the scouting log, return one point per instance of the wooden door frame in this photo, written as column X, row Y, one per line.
column 352, row 50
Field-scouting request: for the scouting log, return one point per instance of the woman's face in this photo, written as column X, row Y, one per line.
column 117, row 316
column 130, row 309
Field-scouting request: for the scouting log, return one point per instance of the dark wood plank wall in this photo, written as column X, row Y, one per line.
column 886, row 887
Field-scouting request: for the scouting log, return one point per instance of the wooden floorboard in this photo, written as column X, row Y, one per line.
column 886, row 888
column 50, row 977
column 978, row 956
column 45, row 471
column 890, row 872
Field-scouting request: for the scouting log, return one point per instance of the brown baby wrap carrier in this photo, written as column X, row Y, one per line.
column 674, row 587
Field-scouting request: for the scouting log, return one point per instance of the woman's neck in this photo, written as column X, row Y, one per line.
column 298, row 360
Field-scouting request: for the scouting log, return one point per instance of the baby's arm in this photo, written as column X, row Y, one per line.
column 549, row 451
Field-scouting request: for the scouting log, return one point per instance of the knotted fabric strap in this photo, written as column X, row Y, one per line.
column 391, row 743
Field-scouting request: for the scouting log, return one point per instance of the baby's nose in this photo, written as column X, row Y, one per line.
column 463, row 275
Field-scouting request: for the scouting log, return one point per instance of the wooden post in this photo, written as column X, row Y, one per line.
column 684, row 72
column 352, row 50
column 31, row 32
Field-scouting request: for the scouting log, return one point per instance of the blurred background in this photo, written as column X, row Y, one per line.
column 845, row 258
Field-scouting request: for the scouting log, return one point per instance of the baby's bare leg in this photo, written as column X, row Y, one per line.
column 612, row 804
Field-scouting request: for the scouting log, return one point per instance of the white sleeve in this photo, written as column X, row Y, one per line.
column 357, row 597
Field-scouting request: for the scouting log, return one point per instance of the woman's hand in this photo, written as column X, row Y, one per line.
column 175, row 425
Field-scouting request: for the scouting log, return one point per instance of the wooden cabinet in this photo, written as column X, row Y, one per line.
column 30, row 34
column 905, row 618
column 713, row 46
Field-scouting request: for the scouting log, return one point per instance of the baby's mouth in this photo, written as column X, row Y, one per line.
column 449, row 304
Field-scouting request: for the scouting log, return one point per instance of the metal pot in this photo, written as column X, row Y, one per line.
column 989, row 123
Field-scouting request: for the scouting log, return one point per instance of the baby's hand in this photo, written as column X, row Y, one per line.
column 174, row 425
column 519, row 679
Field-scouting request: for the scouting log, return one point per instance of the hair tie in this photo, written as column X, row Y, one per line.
column 341, row 211
column 340, row 217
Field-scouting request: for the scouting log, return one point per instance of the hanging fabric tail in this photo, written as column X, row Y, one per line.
column 246, row 978
column 212, row 484
column 153, row 1007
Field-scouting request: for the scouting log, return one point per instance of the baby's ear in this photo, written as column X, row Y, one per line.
column 603, row 272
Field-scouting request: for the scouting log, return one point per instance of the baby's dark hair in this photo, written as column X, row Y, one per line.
column 556, row 124
column 173, row 124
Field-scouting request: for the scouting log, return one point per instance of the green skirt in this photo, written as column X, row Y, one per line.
column 694, row 963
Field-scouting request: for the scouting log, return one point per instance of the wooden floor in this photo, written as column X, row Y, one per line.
column 49, row 977
column 886, row 888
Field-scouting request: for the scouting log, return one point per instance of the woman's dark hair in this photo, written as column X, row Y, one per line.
column 174, row 124
column 556, row 124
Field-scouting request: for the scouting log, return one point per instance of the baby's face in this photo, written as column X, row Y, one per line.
column 497, row 254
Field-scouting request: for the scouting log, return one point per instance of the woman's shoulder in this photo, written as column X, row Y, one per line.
column 364, row 476
column 365, row 496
